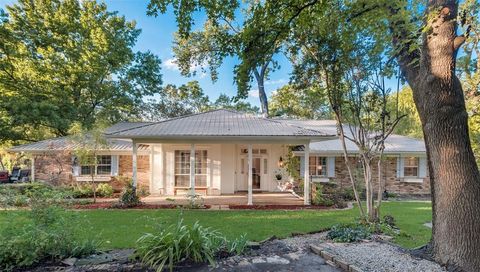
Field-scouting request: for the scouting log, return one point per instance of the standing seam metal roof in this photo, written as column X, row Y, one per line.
column 217, row 123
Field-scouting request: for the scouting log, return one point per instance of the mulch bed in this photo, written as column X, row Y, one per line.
column 143, row 206
column 277, row 207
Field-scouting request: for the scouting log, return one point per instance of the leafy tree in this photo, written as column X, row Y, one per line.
column 410, row 125
column 307, row 103
column 225, row 102
column 189, row 99
column 66, row 62
column 221, row 36
column 177, row 101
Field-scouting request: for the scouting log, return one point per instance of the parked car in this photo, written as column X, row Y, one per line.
column 4, row 178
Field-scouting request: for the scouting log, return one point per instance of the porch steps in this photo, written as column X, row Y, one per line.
column 219, row 207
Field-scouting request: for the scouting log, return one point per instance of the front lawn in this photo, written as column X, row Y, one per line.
column 121, row 228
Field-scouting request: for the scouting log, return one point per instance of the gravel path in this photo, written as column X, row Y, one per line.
column 377, row 256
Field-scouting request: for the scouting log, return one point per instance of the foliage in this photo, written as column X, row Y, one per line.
column 195, row 201
column 48, row 233
column 180, row 242
column 410, row 125
column 225, row 102
column 222, row 36
column 129, row 197
column 101, row 77
column 320, row 198
column 104, row 190
column 292, row 165
column 348, row 233
column 304, row 103
column 19, row 195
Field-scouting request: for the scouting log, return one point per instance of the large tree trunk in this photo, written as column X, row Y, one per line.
column 453, row 171
column 260, row 77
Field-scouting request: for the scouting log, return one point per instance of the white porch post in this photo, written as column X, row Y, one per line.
column 134, row 164
column 192, row 169
column 306, row 179
column 250, row 177
column 32, row 169
column 151, row 162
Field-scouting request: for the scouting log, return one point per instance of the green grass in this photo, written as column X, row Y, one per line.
column 121, row 228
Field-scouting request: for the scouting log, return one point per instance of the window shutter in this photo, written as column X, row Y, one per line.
column 400, row 164
column 302, row 166
column 75, row 167
column 114, row 166
column 422, row 167
column 331, row 167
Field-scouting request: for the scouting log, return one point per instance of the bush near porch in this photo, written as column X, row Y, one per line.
column 121, row 228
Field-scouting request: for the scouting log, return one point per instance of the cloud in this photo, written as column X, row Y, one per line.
column 276, row 81
column 198, row 69
column 171, row 64
column 253, row 93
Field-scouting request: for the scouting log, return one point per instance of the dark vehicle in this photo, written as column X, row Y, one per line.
column 4, row 176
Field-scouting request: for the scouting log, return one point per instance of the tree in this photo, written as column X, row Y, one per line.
column 220, row 37
column 88, row 146
column 422, row 38
column 67, row 62
column 189, row 99
column 177, row 101
column 225, row 102
column 306, row 103
column 410, row 125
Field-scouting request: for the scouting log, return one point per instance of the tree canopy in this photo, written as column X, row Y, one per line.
column 69, row 62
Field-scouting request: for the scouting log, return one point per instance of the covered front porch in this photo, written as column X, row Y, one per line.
column 218, row 153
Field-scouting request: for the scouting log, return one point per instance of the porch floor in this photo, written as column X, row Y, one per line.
column 240, row 198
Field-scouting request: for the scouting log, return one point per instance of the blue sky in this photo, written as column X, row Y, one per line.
column 157, row 36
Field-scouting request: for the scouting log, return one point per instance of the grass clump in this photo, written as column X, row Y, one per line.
column 181, row 243
column 47, row 232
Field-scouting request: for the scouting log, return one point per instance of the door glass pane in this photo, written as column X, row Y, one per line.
column 256, row 173
column 265, row 166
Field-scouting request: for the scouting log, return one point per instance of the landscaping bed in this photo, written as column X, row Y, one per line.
column 278, row 207
column 110, row 205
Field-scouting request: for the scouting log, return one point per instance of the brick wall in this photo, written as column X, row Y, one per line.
column 56, row 168
column 392, row 183
column 143, row 170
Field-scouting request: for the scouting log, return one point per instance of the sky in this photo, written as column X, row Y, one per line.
column 157, row 36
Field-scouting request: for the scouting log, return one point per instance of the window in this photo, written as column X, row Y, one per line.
column 104, row 166
column 318, row 166
column 182, row 168
column 410, row 168
column 254, row 151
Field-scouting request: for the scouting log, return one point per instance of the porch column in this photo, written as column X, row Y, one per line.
column 134, row 164
column 32, row 169
column 306, row 178
column 250, row 175
column 151, row 162
column 192, row 169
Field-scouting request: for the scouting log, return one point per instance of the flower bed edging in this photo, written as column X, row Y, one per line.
column 334, row 259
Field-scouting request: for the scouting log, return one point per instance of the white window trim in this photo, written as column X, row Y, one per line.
column 96, row 168
column 207, row 162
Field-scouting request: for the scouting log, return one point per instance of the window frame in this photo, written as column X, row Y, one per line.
column 324, row 170
column 416, row 166
column 201, row 167
column 95, row 167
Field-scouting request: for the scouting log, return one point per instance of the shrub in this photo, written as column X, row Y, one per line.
column 129, row 197
column 320, row 199
column 389, row 220
column 84, row 190
column 104, row 190
column 179, row 243
column 348, row 233
column 17, row 195
column 48, row 232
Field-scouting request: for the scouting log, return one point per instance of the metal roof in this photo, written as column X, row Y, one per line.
column 393, row 144
column 68, row 143
column 218, row 123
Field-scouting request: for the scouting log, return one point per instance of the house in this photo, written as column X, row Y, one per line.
column 230, row 152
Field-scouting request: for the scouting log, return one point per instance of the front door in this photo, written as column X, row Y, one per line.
column 257, row 173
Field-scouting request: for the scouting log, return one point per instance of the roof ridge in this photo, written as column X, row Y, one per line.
column 294, row 126
column 173, row 119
